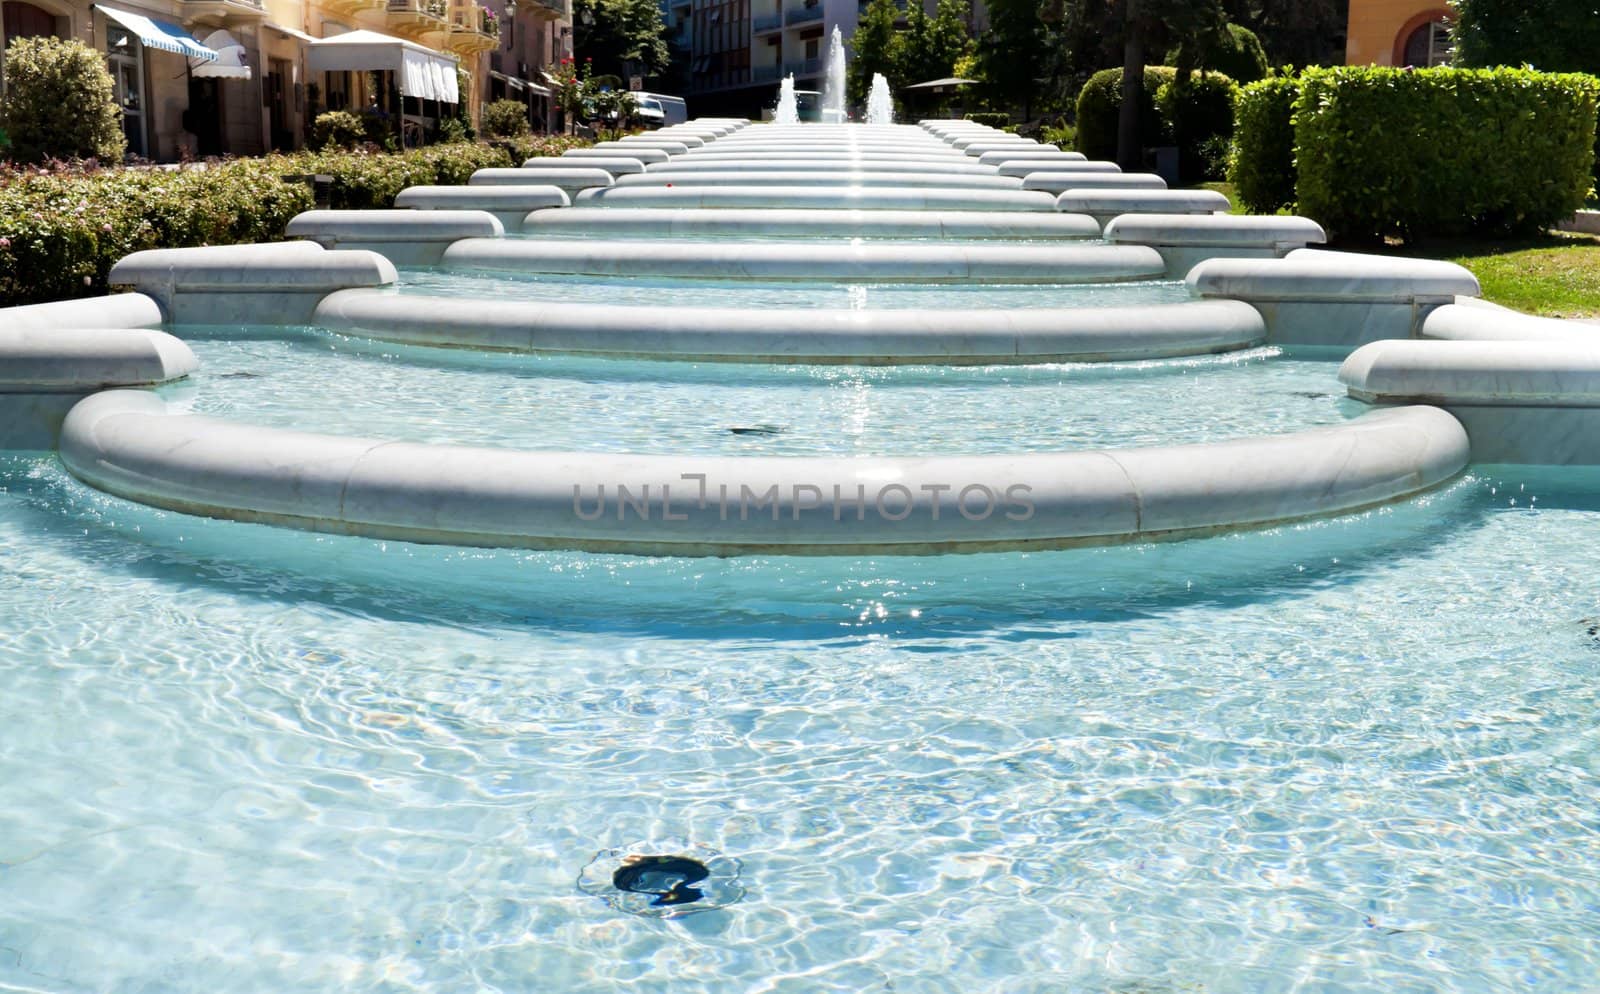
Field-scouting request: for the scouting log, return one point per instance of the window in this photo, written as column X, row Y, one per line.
column 1428, row 45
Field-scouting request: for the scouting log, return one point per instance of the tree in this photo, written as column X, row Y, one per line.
column 931, row 47
column 1550, row 35
column 1295, row 32
column 621, row 37
column 1143, row 25
column 1012, row 54
column 872, row 49
column 60, row 102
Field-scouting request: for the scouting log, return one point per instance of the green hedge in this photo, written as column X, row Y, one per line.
column 62, row 229
column 1261, row 164
column 991, row 118
column 1442, row 151
column 1195, row 114
column 1100, row 106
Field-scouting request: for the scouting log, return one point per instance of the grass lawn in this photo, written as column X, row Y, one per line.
column 1554, row 275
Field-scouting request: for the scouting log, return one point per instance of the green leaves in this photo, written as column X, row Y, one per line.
column 59, row 102
column 1392, row 152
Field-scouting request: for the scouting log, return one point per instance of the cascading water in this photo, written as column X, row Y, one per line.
column 833, row 89
column 880, row 106
column 788, row 111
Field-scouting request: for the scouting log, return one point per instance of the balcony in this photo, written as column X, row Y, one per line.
column 765, row 25
column 474, row 28
column 415, row 18
column 803, row 15
column 223, row 13
column 803, row 67
column 765, row 74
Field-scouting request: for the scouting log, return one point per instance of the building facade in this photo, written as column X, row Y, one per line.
column 250, row 90
column 1398, row 33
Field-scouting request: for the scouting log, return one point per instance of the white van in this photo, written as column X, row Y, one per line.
column 673, row 109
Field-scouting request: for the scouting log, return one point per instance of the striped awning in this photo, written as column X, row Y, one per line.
column 165, row 35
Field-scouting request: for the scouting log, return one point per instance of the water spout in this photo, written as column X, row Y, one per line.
column 880, row 106
column 834, row 88
column 788, row 111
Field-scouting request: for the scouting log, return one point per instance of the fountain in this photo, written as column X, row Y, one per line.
column 788, row 111
column 833, row 89
column 880, row 106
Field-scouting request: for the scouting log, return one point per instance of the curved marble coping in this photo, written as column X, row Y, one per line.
column 129, row 444
column 569, row 180
column 1022, row 167
column 394, row 225
column 656, row 139
column 1061, row 182
column 1250, row 230
column 285, row 267
column 777, row 222
column 486, row 198
column 809, row 197
column 1142, row 202
column 977, row 149
column 666, row 146
column 117, row 310
column 854, row 177
column 644, row 155
column 714, row 155
column 1521, row 374
column 1048, row 152
column 614, row 165
column 726, row 147
column 1454, row 322
column 76, row 360
column 778, row 164
column 822, row 336
column 1306, row 274
column 996, row 142
column 935, row 262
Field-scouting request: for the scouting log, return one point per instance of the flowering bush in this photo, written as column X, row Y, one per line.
column 62, row 227
column 570, row 88
column 505, row 118
column 488, row 22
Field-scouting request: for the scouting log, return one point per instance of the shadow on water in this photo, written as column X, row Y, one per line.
column 917, row 601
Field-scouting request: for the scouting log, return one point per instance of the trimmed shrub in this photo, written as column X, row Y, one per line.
column 993, row 119
column 62, row 229
column 1261, row 163
column 1195, row 114
column 338, row 129
column 1237, row 54
column 1442, row 151
column 60, row 103
column 505, row 118
column 1100, row 105
column 1198, row 111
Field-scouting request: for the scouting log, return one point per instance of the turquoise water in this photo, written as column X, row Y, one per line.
column 324, row 382
column 1355, row 754
column 752, row 294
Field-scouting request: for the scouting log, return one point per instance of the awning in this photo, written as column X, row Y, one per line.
column 420, row 72
column 290, row 32
column 165, row 35
column 232, row 61
column 940, row 84
column 514, row 83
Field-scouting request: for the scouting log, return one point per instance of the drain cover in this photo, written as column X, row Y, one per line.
column 662, row 879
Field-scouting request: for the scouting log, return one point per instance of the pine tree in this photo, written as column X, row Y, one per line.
column 1012, row 54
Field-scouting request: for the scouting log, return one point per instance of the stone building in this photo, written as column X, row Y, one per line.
column 1398, row 33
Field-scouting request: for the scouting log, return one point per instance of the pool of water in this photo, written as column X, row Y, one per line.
column 654, row 292
column 322, row 382
column 1353, row 754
